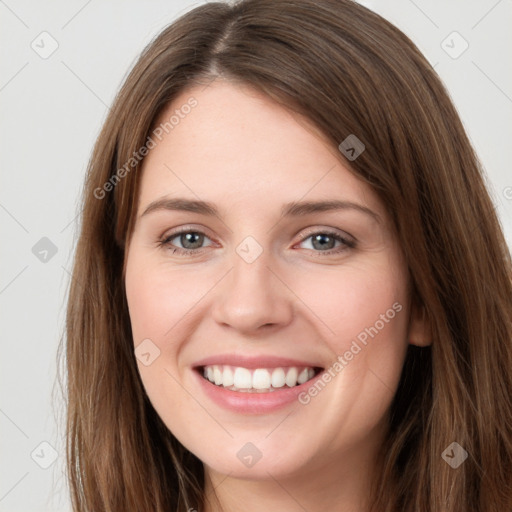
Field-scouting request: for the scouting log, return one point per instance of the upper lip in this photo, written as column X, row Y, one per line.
column 263, row 361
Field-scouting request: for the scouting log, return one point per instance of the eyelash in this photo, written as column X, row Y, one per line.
column 165, row 243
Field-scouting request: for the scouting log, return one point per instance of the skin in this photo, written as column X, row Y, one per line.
column 249, row 156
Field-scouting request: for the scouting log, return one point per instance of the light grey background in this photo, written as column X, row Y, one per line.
column 52, row 109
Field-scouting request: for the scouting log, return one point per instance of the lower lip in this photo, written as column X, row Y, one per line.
column 253, row 403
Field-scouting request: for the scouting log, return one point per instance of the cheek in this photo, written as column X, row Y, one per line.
column 364, row 315
column 364, row 319
column 355, row 301
column 159, row 298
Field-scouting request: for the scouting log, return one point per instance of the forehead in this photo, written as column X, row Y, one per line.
column 236, row 145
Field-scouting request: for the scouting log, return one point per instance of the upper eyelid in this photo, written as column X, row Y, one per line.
column 308, row 233
column 203, row 230
column 186, row 229
column 336, row 231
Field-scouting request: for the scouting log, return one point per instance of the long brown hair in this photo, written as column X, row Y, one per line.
column 350, row 72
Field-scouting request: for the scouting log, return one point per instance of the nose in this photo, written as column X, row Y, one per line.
column 251, row 298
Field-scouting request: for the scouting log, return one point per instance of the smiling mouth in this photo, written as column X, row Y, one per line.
column 257, row 380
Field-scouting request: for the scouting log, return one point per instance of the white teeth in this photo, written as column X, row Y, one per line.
column 227, row 377
column 303, row 376
column 243, row 378
column 217, row 375
column 257, row 380
column 278, row 378
column 291, row 377
column 261, row 379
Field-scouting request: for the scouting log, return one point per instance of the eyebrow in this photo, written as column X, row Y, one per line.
column 293, row 209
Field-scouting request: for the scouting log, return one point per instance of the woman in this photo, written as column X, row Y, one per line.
column 218, row 356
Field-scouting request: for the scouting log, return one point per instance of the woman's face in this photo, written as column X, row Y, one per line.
column 298, row 311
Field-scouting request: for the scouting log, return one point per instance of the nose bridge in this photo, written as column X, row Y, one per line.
column 251, row 296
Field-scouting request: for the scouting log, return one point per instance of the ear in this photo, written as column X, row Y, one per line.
column 419, row 332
